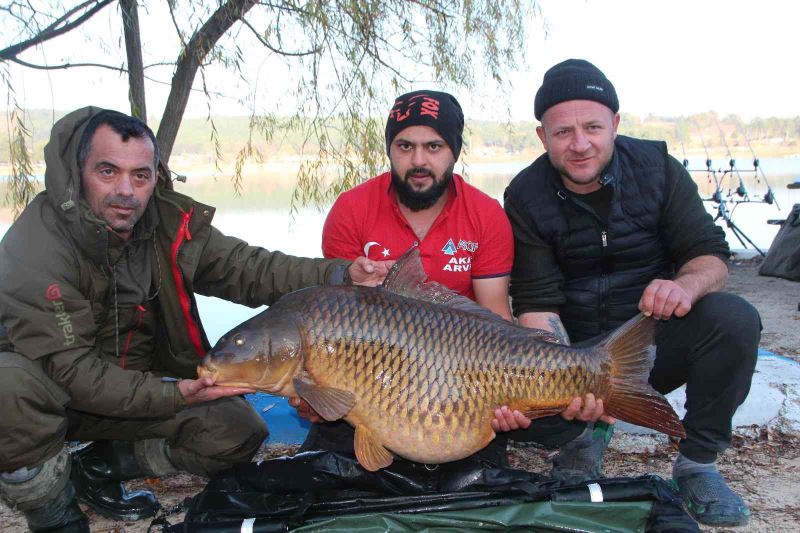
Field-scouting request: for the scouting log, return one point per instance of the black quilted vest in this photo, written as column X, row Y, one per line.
column 606, row 267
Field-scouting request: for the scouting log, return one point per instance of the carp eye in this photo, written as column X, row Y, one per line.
column 238, row 341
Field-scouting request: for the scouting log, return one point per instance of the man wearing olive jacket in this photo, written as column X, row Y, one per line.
column 100, row 334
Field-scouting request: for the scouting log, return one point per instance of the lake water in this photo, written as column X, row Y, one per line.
column 261, row 215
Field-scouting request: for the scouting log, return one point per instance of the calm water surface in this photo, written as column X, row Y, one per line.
column 261, row 215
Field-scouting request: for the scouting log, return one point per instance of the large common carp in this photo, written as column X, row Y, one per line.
column 419, row 370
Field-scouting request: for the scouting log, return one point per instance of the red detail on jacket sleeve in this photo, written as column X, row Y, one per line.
column 183, row 297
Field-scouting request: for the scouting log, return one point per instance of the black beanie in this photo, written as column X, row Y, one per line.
column 440, row 111
column 574, row 79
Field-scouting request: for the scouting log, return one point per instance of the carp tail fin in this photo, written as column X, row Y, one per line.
column 631, row 398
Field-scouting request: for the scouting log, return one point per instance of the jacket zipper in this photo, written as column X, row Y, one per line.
column 602, row 311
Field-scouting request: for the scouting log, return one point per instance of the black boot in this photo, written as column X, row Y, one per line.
column 97, row 473
column 59, row 516
column 45, row 496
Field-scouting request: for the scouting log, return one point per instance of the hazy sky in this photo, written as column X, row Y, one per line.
column 678, row 56
column 664, row 57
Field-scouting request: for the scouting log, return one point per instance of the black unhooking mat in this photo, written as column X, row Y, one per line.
column 325, row 491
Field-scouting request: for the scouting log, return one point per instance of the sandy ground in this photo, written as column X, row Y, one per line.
column 764, row 467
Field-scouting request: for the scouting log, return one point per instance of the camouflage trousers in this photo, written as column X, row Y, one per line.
column 35, row 421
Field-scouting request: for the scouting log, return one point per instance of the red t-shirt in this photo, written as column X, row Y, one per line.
column 470, row 239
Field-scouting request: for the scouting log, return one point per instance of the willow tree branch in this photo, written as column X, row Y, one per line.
column 277, row 50
column 55, row 29
column 65, row 65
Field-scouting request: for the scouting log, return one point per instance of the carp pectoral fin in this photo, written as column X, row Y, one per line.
column 533, row 414
column 371, row 454
column 330, row 403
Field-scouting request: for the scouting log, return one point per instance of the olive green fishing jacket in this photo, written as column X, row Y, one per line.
column 108, row 318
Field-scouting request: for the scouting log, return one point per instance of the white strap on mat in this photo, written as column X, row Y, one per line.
column 247, row 525
column 595, row 492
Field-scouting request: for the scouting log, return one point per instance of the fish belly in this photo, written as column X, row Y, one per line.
column 430, row 438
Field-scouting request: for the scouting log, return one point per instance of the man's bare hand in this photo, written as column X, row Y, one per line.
column 367, row 272
column 203, row 390
column 304, row 410
column 507, row 420
column 587, row 409
column 663, row 298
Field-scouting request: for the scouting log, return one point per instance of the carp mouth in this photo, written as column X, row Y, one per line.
column 208, row 372
column 263, row 380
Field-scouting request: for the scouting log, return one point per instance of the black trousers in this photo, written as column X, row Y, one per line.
column 712, row 350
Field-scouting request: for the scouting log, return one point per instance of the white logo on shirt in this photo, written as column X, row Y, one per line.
column 458, row 264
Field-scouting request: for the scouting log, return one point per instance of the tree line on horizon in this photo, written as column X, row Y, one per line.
column 704, row 131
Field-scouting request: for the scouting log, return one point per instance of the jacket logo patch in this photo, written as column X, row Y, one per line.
column 63, row 320
column 449, row 248
column 53, row 292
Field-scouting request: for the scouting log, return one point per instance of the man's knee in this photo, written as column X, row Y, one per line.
column 33, row 422
column 228, row 429
column 737, row 327
column 732, row 315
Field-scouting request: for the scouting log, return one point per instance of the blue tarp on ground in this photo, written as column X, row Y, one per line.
column 285, row 427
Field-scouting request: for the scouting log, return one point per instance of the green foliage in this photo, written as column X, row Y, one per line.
column 21, row 187
column 347, row 60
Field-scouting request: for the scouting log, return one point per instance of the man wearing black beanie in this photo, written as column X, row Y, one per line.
column 463, row 235
column 607, row 226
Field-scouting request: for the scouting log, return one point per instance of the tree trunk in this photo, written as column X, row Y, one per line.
column 188, row 63
column 133, row 46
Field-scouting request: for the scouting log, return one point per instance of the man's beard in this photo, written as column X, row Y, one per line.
column 123, row 201
column 420, row 200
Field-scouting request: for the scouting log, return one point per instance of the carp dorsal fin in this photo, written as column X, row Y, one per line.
column 408, row 278
column 370, row 454
column 330, row 403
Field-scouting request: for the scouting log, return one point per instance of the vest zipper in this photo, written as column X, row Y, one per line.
column 604, row 237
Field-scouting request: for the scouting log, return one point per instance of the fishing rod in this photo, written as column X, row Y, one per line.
column 721, row 200
column 716, row 196
column 741, row 190
column 769, row 197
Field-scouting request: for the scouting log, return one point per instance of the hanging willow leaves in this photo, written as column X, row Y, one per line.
column 346, row 60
